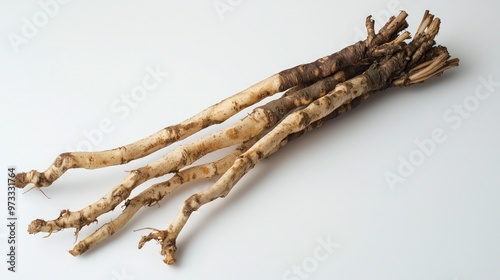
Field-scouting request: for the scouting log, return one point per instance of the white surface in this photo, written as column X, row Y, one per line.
column 441, row 223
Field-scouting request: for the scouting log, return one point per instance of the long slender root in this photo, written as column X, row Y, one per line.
column 314, row 93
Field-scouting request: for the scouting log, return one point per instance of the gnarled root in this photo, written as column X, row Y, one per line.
column 314, row 93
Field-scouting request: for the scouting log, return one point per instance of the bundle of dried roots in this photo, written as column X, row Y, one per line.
column 313, row 94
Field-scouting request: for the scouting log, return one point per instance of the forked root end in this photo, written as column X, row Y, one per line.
column 166, row 241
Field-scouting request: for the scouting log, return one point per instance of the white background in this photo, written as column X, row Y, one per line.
column 441, row 223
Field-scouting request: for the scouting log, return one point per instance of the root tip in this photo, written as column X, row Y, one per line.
column 170, row 260
column 34, row 177
column 74, row 252
column 168, row 250
column 21, row 180
column 167, row 244
column 36, row 226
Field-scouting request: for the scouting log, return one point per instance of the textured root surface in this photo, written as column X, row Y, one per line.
column 315, row 93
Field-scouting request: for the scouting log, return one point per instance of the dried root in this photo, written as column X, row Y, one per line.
column 315, row 93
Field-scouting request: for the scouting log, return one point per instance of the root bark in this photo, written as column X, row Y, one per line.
column 314, row 93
